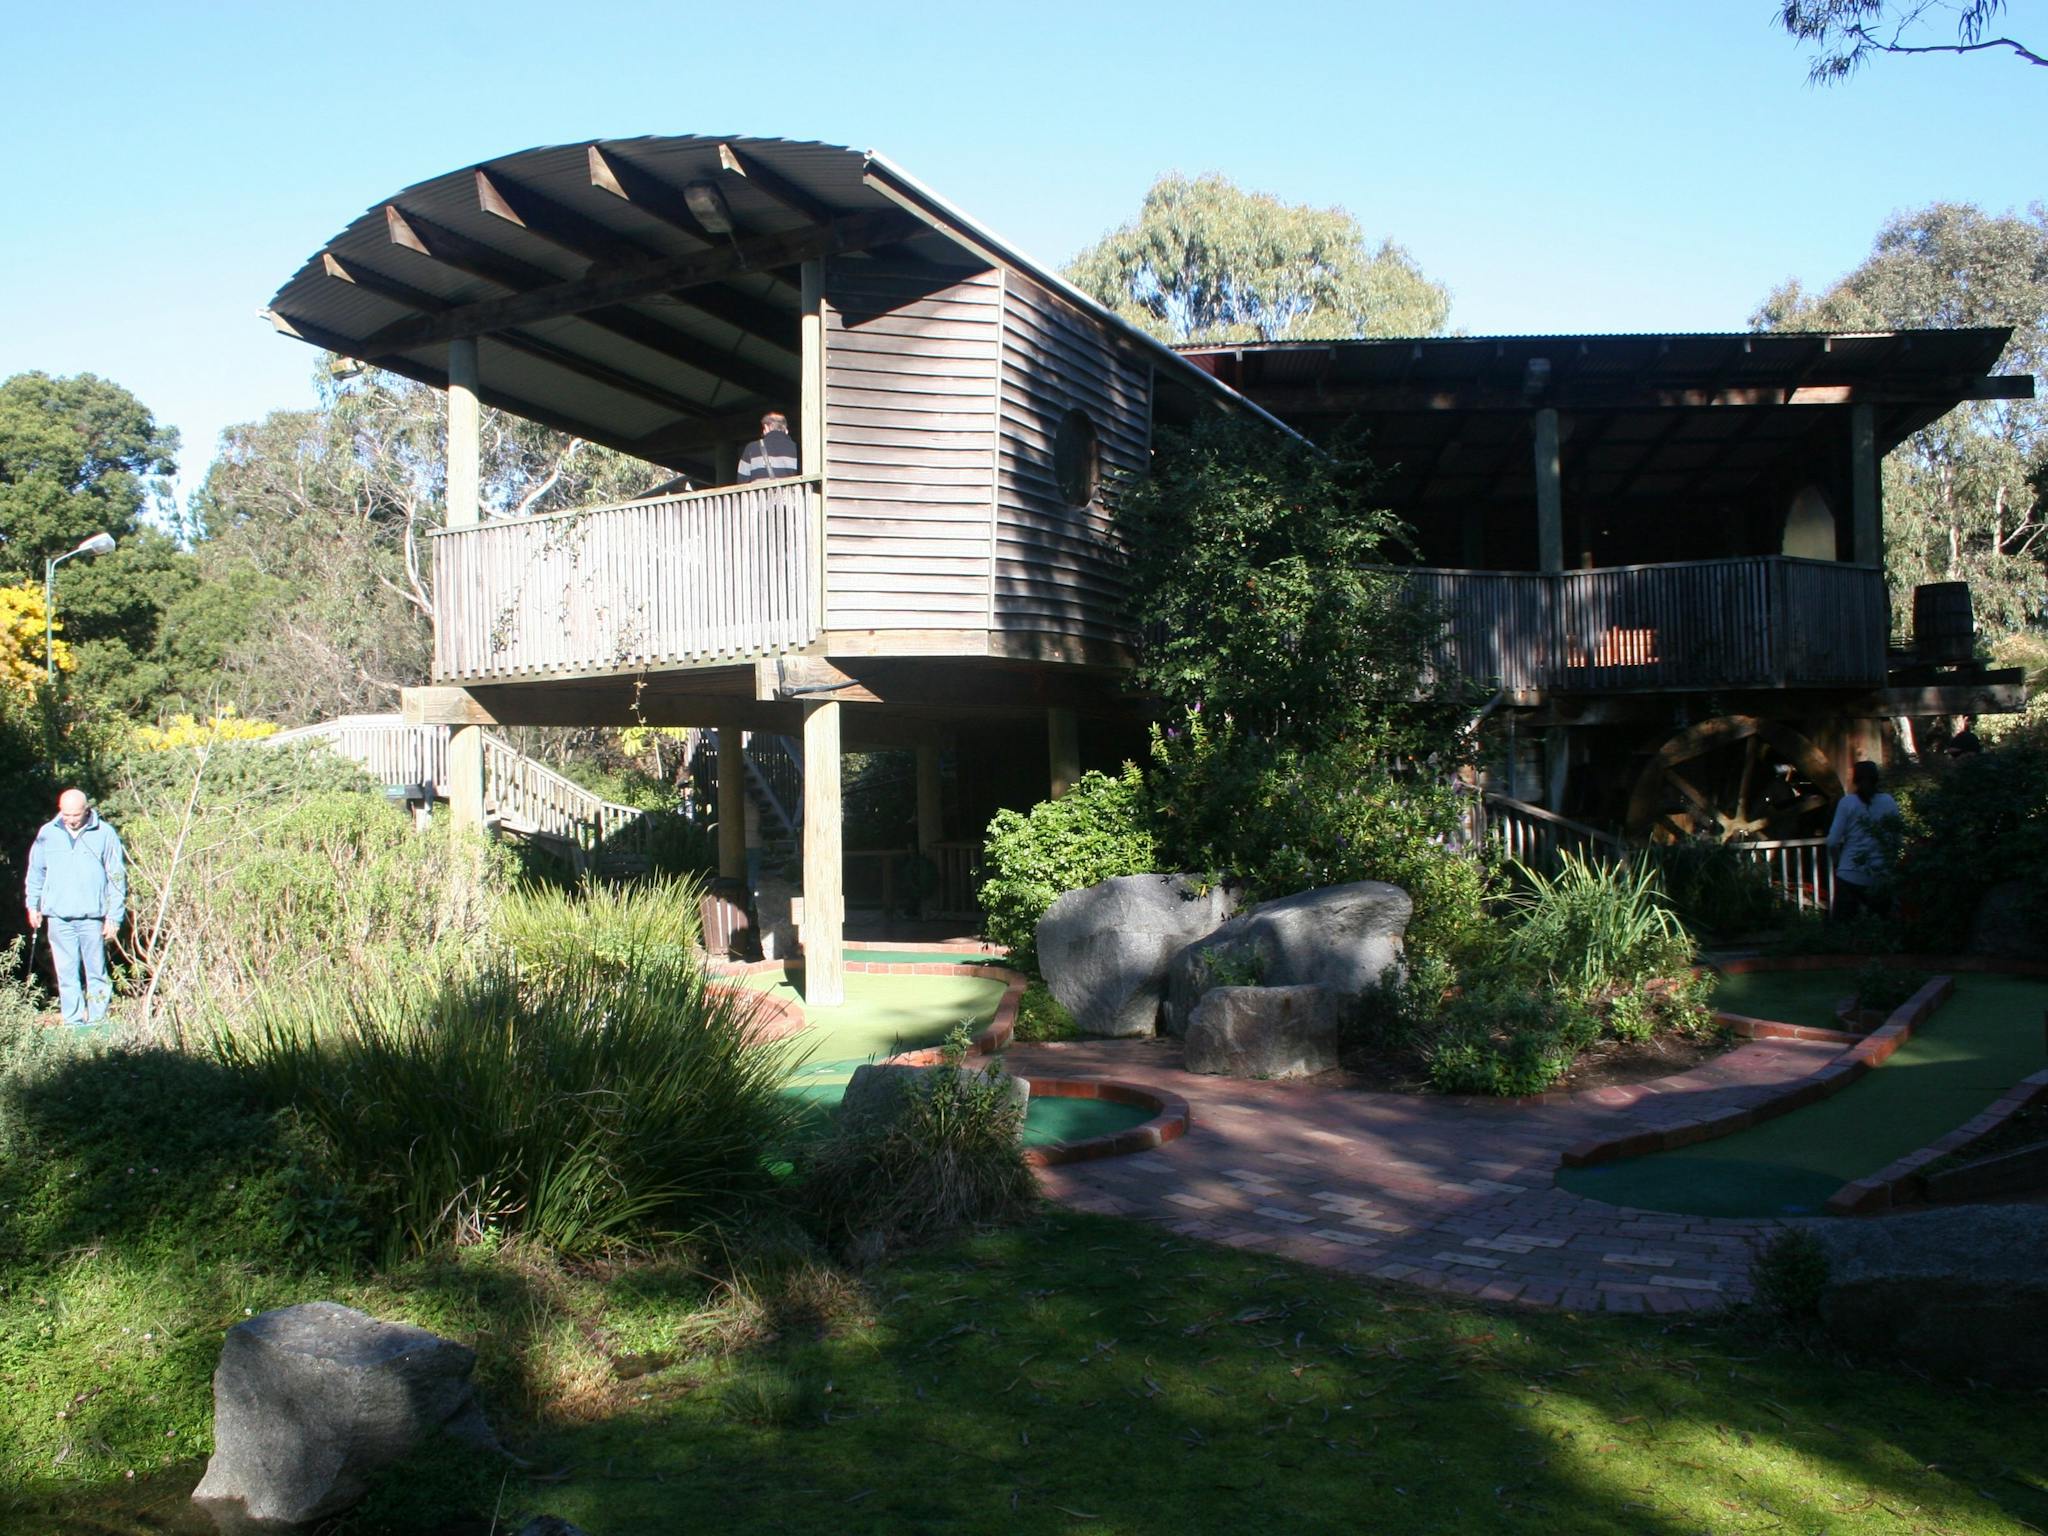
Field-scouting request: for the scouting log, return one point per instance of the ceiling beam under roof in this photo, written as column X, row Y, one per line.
column 422, row 302
column 502, row 197
column 457, row 251
column 1603, row 395
column 639, row 280
column 773, row 185
column 497, row 399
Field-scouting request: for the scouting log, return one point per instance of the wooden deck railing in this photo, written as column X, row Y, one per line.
column 1767, row 621
column 392, row 752
column 670, row 581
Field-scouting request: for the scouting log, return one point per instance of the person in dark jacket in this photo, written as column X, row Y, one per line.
column 78, row 890
column 772, row 455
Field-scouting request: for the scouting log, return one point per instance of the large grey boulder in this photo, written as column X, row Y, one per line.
column 1960, row 1292
column 1104, row 951
column 311, row 1401
column 877, row 1091
column 1342, row 938
column 1263, row 1032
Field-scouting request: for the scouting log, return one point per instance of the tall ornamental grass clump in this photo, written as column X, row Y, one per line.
column 632, row 928
column 584, row 1108
column 1595, row 926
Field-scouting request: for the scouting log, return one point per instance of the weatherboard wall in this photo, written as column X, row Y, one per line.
column 911, row 360
column 1056, row 568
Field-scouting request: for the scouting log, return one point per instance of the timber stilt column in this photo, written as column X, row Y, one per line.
column 1865, row 500
column 1063, row 749
column 465, row 432
column 1549, row 493
column 930, row 807
column 1557, row 767
column 732, row 802
column 824, row 889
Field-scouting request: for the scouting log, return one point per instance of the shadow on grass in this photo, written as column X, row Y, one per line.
column 1079, row 1373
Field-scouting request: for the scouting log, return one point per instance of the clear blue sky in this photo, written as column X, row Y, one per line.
column 1599, row 165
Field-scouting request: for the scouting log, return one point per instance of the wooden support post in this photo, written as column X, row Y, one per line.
column 824, row 894
column 1063, row 749
column 811, row 422
column 930, row 815
column 1557, row 767
column 1865, row 498
column 465, row 432
column 732, row 802
column 1549, row 493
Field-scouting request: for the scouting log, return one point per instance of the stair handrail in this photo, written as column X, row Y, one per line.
column 556, row 805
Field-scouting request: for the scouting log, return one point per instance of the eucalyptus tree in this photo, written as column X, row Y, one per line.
column 1847, row 34
column 1207, row 261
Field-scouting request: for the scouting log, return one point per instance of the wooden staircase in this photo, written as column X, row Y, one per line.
column 522, row 798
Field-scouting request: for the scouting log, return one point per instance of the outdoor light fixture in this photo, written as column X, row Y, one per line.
column 98, row 544
column 708, row 206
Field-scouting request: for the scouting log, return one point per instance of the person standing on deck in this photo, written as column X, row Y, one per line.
column 772, row 455
column 1854, row 841
column 78, row 886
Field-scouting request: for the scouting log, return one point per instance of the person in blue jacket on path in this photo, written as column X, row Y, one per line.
column 78, row 887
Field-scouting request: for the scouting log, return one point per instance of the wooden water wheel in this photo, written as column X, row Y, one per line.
column 1734, row 778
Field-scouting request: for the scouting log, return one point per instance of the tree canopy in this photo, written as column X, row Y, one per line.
column 1963, row 498
column 1207, row 261
column 1847, row 34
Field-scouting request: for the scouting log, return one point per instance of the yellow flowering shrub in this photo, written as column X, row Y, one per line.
column 188, row 731
column 22, row 663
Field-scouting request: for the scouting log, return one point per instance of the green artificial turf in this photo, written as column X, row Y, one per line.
column 1974, row 1047
column 1787, row 997
column 920, row 957
column 1049, row 1120
column 882, row 1015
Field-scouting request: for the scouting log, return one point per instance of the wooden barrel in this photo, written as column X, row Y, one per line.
column 1944, row 629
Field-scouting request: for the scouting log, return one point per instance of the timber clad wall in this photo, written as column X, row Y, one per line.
column 910, row 416
column 1055, row 569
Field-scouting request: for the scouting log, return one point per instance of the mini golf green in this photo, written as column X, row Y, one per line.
column 1974, row 1047
column 887, row 1014
column 921, row 957
column 1787, row 997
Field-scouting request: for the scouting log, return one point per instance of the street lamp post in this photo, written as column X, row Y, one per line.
column 98, row 544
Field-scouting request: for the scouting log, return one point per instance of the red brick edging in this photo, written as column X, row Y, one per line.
column 1170, row 1120
column 1862, row 1053
column 1900, row 1183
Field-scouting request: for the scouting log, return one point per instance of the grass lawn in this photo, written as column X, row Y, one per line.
column 1973, row 1048
column 1083, row 1374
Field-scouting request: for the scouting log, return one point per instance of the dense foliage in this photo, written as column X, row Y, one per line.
column 1983, row 822
column 1099, row 829
column 1207, row 261
column 589, row 1106
column 1258, row 590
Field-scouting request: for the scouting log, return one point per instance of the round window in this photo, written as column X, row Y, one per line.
column 1075, row 458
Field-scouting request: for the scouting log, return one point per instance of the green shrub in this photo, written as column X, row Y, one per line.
column 1980, row 823
column 1399, row 1014
column 1881, row 986
column 1099, row 829
column 1041, row 1017
column 1629, row 1016
column 633, row 927
column 1282, row 819
column 951, row 1154
column 255, row 871
column 1595, row 926
column 1790, row 1275
column 1507, row 1042
column 587, row 1106
column 1713, row 886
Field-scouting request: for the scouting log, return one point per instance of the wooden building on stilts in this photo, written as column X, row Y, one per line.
column 1635, row 536
column 941, row 573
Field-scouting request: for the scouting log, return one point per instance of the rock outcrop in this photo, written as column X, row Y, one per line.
column 1342, row 938
column 1263, row 1032
column 1105, row 951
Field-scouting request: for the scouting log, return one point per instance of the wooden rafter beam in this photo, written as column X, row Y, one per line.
column 776, row 187
column 679, row 457
column 422, row 302
column 614, row 173
column 502, row 197
column 458, row 252
column 627, row 283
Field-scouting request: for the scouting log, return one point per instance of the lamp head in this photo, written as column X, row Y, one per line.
column 708, row 207
column 98, row 544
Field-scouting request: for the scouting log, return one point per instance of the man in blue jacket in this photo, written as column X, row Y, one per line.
column 78, row 887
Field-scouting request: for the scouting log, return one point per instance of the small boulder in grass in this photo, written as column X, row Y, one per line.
column 311, row 1402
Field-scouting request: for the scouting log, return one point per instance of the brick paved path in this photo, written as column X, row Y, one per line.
column 1449, row 1194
